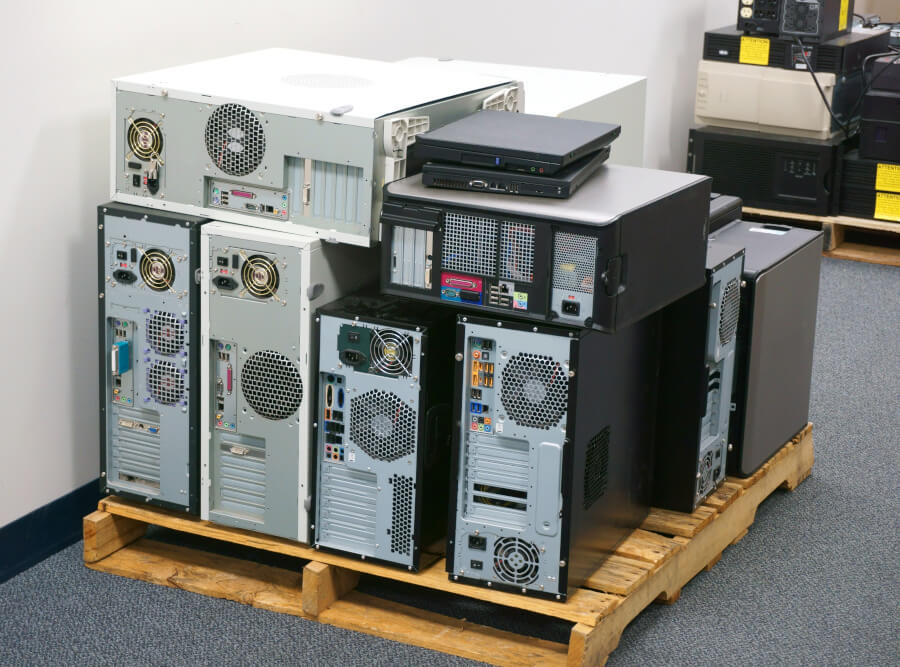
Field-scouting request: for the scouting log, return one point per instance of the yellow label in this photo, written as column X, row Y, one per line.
column 845, row 9
column 887, row 206
column 887, row 178
column 754, row 51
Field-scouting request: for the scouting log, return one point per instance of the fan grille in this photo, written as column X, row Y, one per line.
column 470, row 244
column 391, row 352
column 144, row 139
column 165, row 382
column 271, row 385
column 401, row 517
column 728, row 313
column 260, row 276
column 516, row 561
column 157, row 270
column 534, row 390
column 165, row 332
column 235, row 139
column 705, row 482
column 382, row 425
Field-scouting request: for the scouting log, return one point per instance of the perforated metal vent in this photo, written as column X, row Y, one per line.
column 596, row 467
column 534, row 390
column 516, row 561
column 574, row 262
column 165, row 382
column 382, row 425
column 235, row 139
column 165, row 332
column 706, row 481
column 145, row 140
column 259, row 274
column 729, row 311
column 402, row 515
column 470, row 244
column 391, row 352
column 271, row 385
column 517, row 252
column 157, row 270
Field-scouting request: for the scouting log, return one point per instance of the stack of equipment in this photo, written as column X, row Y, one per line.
column 880, row 134
column 870, row 188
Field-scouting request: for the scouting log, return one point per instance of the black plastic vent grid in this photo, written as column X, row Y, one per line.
column 165, row 382
column 165, row 332
column 596, row 468
column 157, row 270
column 271, row 385
column 391, row 352
column 745, row 169
column 402, row 515
column 715, row 46
column 729, row 311
column 259, row 274
column 534, row 390
column 145, row 140
column 382, row 425
column 235, row 139
column 470, row 244
column 516, row 561
column 517, row 252
column 705, row 481
column 574, row 262
column 448, row 183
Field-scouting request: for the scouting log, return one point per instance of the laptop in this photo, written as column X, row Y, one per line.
column 515, row 141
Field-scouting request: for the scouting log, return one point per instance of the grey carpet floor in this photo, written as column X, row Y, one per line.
column 814, row 582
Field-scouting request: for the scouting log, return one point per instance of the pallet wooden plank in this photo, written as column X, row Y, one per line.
column 649, row 547
column 105, row 533
column 722, row 497
column 619, row 575
column 860, row 252
column 677, row 523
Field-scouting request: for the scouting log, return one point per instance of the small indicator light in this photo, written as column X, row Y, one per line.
column 532, row 170
column 496, row 161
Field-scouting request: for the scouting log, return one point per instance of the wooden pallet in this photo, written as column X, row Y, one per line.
column 653, row 564
column 882, row 241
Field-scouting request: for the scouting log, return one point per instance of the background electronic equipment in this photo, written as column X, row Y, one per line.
column 864, row 194
column 552, row 453
column 259, row 292
column 696, row 377
column 228, row 138
column 770, row 171
column 149, row 355
column 776, row 332
column 880, row 126
column 778, row 101
column 383, row 435
column 722, row 210
column 811, row 20
column 560, row 185
column 591, row 260
column 841, row 55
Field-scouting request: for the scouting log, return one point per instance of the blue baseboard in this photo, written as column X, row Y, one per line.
column 46, row 530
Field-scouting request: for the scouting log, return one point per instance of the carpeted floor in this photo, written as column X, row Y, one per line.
column 814, row 582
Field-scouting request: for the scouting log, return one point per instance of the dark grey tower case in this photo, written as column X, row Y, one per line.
column 383, row 427
column 552, row 454
column 773, row 366
column 696, row 375
column 149, row 355
column 593, row 260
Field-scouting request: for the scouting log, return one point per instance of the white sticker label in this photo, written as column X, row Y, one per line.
column 351, row 456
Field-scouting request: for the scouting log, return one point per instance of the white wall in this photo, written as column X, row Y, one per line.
column 58, row 57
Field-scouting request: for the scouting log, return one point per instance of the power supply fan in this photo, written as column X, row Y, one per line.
column 165, row 382
column 705, row 481
column 730, row 311
column 157, row 270
column 144, row 139
column 235, row 139
column 165, row 332
column 260, row 276
column 391, row 352
column 271, row 385
column 516, row 561
column 534, row 390
column 382, row 425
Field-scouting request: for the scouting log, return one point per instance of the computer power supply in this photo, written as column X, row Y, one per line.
column 283, row 139
column 260, row 289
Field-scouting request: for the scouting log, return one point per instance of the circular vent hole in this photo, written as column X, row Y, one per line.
column 534, row 390
column 382, row 425
column 271, row 385
column 516, row 561
column 165, row 333
column 165, row 382
column 728, row 315
column 235, row 139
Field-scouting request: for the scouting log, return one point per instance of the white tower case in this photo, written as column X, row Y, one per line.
column 259, row 290
column 283, row 139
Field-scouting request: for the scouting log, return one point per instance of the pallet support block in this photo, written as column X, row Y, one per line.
column 324, row 584
column 106, row 533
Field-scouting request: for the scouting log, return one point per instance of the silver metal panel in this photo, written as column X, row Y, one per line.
column 411, row 251
column 574, row 268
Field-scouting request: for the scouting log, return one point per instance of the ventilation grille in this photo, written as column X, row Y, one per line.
column 271, row 385
column 337, row 192
column 470, row 244
column 596, row 467
column 517, row 252
column 574, row 262
column 735, row 167
column 715, row 45
column 157, row 270
column 729, row 311
column 259, row 274
column 402, row 515
column 449, row 183
column 516, row 561
column 242, row 481
column 135, row 458
column 534, row 390
column 145, row 140
column 828, row 59
column 165, row 332
column 235, row 139
column 706, row 482
column 382, row 425
column 497, row 479
column 348, row 499
column 391, row 352
column 165, row 382
column 504, row 100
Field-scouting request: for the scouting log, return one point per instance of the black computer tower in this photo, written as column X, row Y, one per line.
column 382, row 431
column 809, row 20
column 863, row 193
column 552, row 450
column 770, row 171
column 776, row 333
